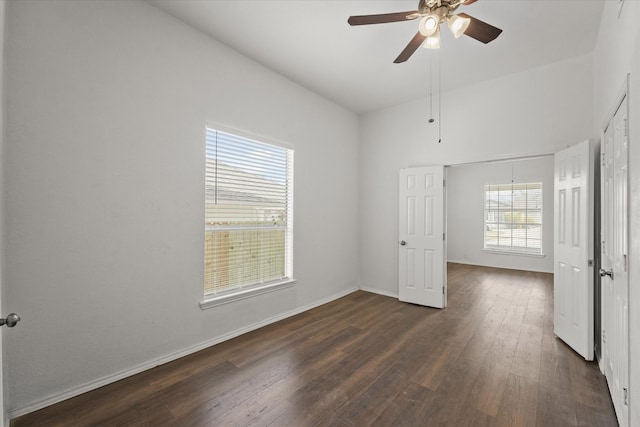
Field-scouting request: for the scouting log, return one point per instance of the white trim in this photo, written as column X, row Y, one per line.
column 249, row 135
column 623, row 95
column 620, row 4
column 505, row 252
column 108, row 379
column 216, row 300
column 514, row 158
column 379, row 292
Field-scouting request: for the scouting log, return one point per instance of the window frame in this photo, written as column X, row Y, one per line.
column 226, row 296
column 511, row 249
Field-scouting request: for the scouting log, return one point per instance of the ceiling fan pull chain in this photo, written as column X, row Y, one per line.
column 431, row 119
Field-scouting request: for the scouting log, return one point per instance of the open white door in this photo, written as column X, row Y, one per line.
column 573, row 280
column 614, row 252
column 422, row 272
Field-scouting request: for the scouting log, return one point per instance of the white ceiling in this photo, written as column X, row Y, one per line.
column 310, row 42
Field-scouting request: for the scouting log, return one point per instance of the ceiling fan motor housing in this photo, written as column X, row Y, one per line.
column 440, row 7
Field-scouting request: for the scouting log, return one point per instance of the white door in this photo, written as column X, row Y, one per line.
column 422, row 272
column 573, row 279
column 614, row 272
column 3, row 6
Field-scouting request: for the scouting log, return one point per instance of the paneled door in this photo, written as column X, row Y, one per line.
column 614, row 253
column 422, row 273
column 573, row 278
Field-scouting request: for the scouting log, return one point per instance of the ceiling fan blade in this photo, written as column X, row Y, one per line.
column 382, row 18
column 414, row 44
column 480, row 30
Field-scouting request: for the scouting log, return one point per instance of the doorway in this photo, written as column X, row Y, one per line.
column 464, row 237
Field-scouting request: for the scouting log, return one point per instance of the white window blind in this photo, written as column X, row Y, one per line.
column 513, row 217
column 248, row 213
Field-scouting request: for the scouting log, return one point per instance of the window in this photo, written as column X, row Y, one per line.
column 248, row 214
column 513, row 218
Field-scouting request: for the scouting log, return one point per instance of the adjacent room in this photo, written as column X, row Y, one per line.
column 300, row 212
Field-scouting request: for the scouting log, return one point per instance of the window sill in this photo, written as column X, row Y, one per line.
column 527, row 254
column 216, row 300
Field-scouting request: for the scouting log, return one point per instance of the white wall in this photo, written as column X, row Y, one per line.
column 107, row 103
column 535, row 112
column 617, row 53
column 106, row 106
column 465, row 211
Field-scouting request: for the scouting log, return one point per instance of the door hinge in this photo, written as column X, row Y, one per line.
column 590, row 263
column 443, row 234
column 443, row 290
column 624, row 261
column 625, row 394
column 604, row 338
column 444, row 182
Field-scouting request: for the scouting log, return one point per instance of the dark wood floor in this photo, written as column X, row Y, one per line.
column 489, row 359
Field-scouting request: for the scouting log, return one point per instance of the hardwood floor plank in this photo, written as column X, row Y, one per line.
column 519, row 404
column 489, row 359
column 408, row 408
column 472, row 417
column 450, row 399
column 587, row 384
column 588, row 416
column 487, row 391
column 555, row 408
column 528, row 355
column 270, row 378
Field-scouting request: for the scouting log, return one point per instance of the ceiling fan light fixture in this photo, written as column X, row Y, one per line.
column 458, row 25
column 433, row 41
column 429, row 25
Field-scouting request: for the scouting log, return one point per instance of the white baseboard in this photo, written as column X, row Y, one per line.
column 499, row 266
column 108, row 379
column 600, row 364
column 379, row 292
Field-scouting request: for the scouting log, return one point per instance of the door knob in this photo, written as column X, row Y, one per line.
column 403, row 243
column 604, row 272
column 10, row 321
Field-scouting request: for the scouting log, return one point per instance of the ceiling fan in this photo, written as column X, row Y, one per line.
column 432, row 14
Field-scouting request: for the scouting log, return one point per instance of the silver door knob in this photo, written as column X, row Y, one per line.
column 403, row 243
column 10, row 321
column 604, row 272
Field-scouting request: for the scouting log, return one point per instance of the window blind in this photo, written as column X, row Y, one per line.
column 248, row 212
column 513, row 217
